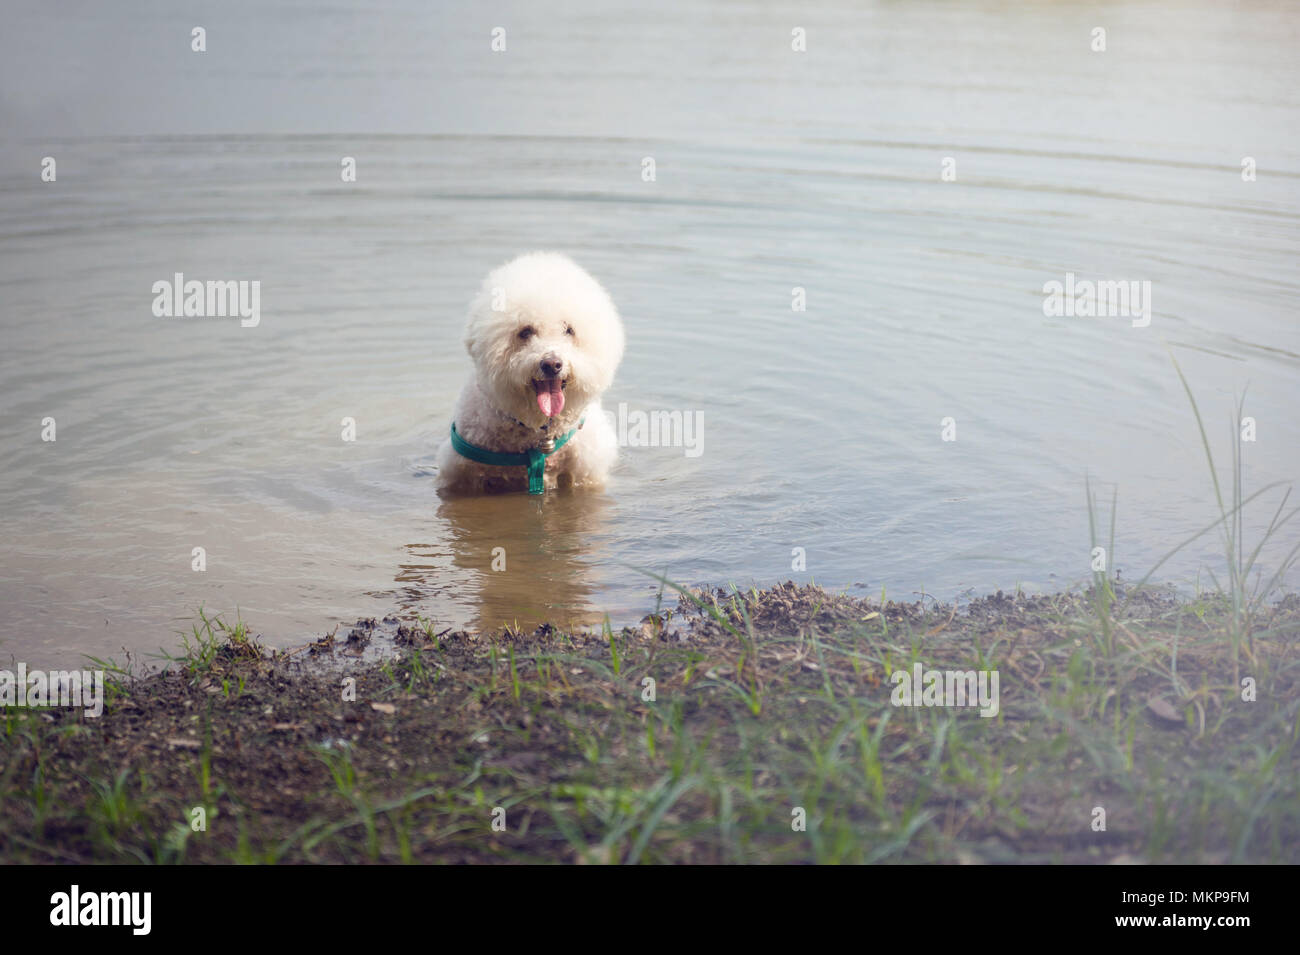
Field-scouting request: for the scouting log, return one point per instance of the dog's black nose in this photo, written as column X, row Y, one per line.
column 551, row 367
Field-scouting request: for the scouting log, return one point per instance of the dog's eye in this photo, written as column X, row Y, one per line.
column 568, row 329
column 526, row 333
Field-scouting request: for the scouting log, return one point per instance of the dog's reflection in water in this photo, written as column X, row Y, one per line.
column 512, row 559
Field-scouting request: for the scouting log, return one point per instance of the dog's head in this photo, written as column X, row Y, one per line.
column 545, row 339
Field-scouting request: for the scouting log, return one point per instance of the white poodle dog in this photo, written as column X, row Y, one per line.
column 545, row 340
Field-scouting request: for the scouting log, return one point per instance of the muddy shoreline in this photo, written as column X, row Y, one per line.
column 705, row 734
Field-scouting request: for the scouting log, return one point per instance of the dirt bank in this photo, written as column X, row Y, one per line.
column 766, row 710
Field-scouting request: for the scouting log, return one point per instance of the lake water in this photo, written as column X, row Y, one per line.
column 774, row 169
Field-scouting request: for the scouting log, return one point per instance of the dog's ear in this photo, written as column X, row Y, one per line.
column 478, row 316
column 478, row 344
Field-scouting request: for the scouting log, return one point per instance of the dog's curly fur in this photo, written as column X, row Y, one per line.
column 536, row 319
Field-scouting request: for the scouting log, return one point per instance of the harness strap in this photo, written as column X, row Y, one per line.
column 534, row 459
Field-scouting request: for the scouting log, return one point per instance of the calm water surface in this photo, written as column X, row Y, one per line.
column 774, row 170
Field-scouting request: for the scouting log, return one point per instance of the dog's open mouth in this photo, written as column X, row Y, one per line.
column 550, row 395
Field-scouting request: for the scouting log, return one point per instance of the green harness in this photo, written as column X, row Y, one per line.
column 534, row 459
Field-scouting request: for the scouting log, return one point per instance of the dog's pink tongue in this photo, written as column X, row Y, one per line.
column 550, row 397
